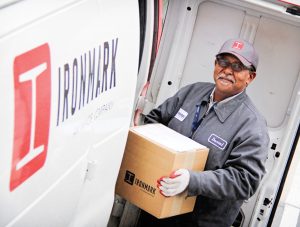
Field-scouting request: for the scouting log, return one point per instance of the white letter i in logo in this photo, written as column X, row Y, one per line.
column 32, row 75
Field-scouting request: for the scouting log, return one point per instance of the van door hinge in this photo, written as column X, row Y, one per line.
column 266, row 205
column 267, row 201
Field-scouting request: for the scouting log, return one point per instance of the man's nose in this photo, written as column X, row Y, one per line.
column 228, row 69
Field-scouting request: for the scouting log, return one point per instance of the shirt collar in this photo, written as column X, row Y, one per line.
column 211, row 97
column 225, row 107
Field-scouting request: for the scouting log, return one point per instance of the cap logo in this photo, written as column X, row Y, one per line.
column 238, row 45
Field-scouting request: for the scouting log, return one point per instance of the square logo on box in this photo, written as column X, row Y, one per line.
column 32, row 91
column 129, row 177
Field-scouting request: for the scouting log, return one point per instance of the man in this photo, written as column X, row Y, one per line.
column 222, row 117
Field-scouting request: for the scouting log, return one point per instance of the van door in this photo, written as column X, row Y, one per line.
column 68, row 76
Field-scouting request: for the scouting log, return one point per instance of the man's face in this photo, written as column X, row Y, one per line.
column 229, row 82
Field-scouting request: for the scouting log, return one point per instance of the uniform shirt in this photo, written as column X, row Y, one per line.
column 237, row 138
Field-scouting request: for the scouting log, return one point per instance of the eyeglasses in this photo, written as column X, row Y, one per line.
column 235, row 66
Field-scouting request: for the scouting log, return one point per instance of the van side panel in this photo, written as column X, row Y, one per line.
column 68, row 73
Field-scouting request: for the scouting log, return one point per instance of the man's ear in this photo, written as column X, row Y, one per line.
column 252, row 76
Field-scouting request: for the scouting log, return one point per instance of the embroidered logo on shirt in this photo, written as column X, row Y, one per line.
column 217, row 141
column 181, row 114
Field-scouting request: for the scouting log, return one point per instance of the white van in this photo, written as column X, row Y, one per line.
column 77, row 73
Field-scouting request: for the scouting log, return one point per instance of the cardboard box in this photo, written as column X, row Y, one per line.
column 152, row 151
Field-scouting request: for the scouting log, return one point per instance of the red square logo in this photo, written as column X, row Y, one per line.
column 238, row 45
column 32, row 89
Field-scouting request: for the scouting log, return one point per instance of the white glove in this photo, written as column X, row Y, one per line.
column 176, row 183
